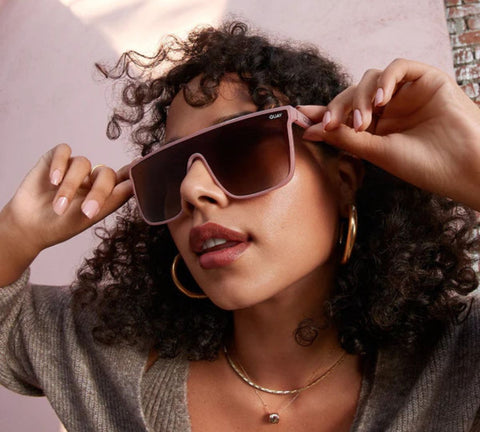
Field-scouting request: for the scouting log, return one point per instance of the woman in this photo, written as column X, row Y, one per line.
column 246, row 297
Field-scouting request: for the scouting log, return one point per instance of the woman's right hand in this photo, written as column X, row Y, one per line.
column 59, row 198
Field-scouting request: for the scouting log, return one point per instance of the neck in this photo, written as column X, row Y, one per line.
column 264, row 340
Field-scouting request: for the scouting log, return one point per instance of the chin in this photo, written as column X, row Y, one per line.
column 233, row 301
column 231, row 304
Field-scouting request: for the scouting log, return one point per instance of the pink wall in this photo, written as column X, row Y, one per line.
column 50, row 93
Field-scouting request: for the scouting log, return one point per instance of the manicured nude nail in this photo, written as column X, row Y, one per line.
column 90, row 208
column 56, row 177
column 326, row 118
column 379, row 96
column 357, row 119
column 60, row 205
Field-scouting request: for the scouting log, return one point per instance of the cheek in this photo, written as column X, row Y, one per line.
column 180, row 230
column 302, row 219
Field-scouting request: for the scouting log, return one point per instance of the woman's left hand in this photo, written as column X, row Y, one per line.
column 413, row 121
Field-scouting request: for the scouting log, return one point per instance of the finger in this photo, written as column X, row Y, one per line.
column 124, row 172
column 60, row 156
column 96, row 167
column 313, row 112
column 315, row 132
column 396, row 73
column 362, row 144
column 120, row 194
column 77, row 171
column 103, row 181
column 339, row 109
column 90, row 178
column 100, row 170
column 121, row 175
column 363, row 99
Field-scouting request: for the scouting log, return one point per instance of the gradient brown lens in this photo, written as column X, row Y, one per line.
column 246, row 157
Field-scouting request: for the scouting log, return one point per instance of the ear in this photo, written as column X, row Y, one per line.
column 350, row 177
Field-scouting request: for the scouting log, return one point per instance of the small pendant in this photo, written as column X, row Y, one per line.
column 274, row 418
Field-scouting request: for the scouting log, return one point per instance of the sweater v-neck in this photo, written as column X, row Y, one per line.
column 164, row 395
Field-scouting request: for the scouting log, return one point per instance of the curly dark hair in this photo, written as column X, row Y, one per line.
column 413, row 261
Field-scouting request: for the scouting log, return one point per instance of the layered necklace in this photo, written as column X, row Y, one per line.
column 274, row 417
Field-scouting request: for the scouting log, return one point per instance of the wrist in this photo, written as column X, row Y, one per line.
column 17, row 248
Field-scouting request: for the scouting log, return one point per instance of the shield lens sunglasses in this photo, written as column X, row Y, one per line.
column 246, row 157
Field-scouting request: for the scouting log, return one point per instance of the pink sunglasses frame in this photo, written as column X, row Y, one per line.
column 294, row 117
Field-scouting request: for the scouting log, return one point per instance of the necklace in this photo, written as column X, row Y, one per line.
column 280, row 392
column 274, row 417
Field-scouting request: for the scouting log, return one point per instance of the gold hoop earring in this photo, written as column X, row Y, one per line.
column 351, row 234
column 179, row 285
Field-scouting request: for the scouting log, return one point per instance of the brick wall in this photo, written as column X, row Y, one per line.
column 463, row 19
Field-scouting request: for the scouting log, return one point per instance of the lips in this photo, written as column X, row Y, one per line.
column 216, row 245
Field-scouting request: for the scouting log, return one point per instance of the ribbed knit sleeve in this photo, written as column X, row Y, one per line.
column 16, row 372
column 46, row 349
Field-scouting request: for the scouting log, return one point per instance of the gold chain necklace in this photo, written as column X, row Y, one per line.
column 274, row 417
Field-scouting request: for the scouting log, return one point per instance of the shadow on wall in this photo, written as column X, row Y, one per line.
column 43, row 45
column 45, row 51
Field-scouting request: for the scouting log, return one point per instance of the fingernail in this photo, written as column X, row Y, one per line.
column 357, row 119
column 60, row 206
column 326, row 118
column 56, row 177
column 90, row 208
column 379, row 96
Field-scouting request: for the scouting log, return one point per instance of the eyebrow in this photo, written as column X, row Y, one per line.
column 215, row 122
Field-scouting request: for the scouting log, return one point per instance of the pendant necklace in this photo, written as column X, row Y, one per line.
column 274, row 417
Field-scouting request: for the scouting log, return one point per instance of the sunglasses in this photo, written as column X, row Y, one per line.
column 246, row 157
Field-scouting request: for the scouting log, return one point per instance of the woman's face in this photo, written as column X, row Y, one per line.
column 277, row 244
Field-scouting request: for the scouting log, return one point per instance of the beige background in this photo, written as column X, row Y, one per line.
column 50, row 93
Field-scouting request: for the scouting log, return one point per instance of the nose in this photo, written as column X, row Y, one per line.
column 198, row 189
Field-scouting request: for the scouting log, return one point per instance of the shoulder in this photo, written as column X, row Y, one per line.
column 419, row 384
column 33, row 307
column 451, row 354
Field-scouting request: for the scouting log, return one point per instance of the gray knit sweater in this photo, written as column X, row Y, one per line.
column 45, row 350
